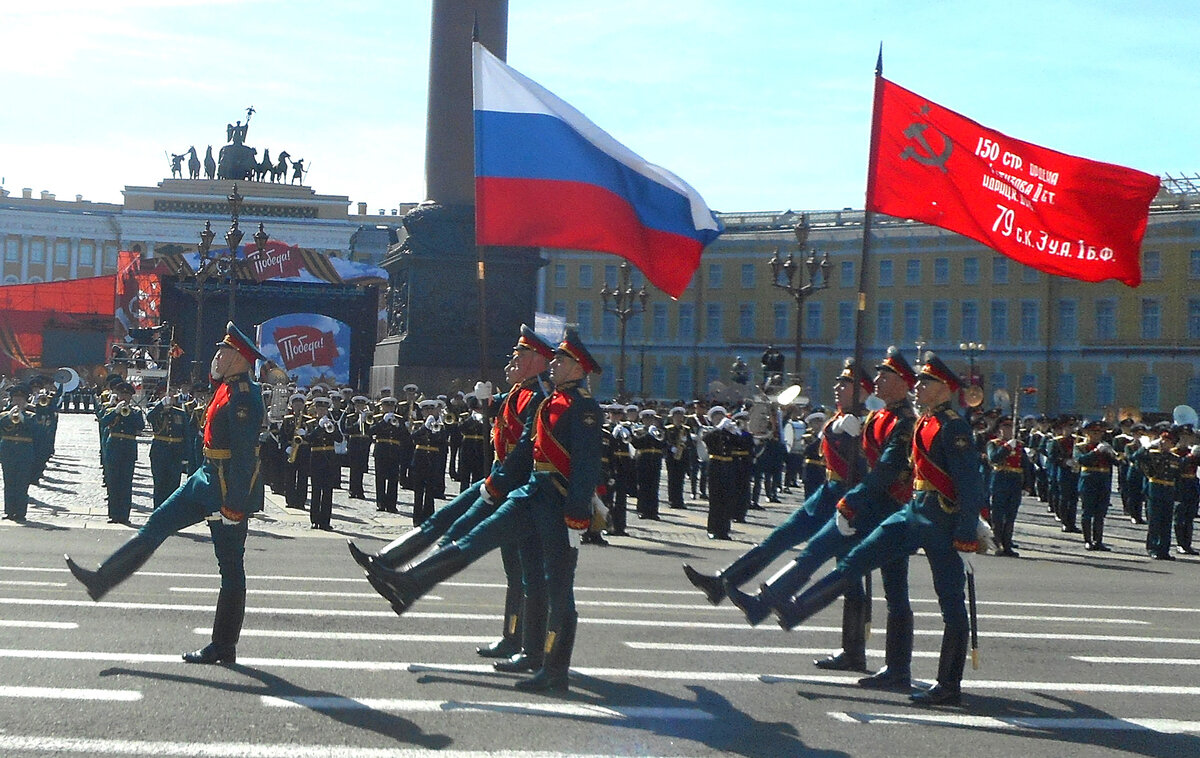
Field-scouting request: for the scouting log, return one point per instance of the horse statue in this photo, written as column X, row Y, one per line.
column 193, row 163
column 263, row 167
column 210, row 165
column 280, row 169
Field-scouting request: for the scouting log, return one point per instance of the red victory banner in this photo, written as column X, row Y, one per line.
column 1058, row 213
column 301, row 345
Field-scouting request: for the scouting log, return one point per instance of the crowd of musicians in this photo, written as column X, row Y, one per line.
column 543, row 462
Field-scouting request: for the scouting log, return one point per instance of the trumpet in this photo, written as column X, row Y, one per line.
column 433, row 424
column 621, row 432
column 16, row 415
column 43, row 400
column 123, row 408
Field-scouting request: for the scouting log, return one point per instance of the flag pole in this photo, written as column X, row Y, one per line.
column 868, row 217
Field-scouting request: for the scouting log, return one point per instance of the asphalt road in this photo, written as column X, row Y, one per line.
column 1082, row 654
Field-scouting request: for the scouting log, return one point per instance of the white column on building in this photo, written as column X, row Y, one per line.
column 51, row 247
column 24, row 257
column 74, row 253
column 98, row 258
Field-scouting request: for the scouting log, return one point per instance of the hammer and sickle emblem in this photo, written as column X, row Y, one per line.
column 916, row 131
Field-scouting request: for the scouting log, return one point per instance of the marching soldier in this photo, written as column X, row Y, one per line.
column 680, row 450
column 322, row 439
column 623, row 467
column 18, row 458
column 720, row 440
column 472, row 462
column 520, row 645
column 556, row 502
column 884, row 489
column 1095, row 459
column 839, row 441
column 122, row 423
column 1187, row 492
column 1120, row 442
column 393, row 445
column 1135, row 480
column 427, row 472
column 743, row 467
column 941, row 518
column 648, row 443
column 697, row 469
column 169, row 423
column 813, row 474
column 356, row 427
column 1064, row 475
column 1161, row 466
column 223, row 493
column 292, row 430
column 45, row 408
column 1007, row 457
column 199, row 411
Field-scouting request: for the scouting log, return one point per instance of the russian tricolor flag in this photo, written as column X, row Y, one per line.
column 546, row 176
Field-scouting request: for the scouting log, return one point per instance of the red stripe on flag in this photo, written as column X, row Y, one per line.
column 546, row 213
column 1060, row 214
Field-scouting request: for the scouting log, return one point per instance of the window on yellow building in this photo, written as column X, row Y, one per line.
column 781, row 320
column 37, row 251
column 912, row 272
column 885, row 273
column 560, row 275
column 1066, row 391
column 971, row 270
column 845, row 321
column 1106, row 319
column 883, row 323
column 87, row 254
column 1194, row 264
column 941, row 270
column 1193, row 319
column 687, row 320
column 12, row 250
column 1149, row 397
column 999, row 319
column 1151, row 319
column 1067, row 328
column 712, row 321
column 1029, row 321
column 1105, row 390
column 912, row 320
column 1193, row 392
column 62, row 253
column 746, row 320
column 970, row 320
column 846, row 274
column 813, row 326
column 999, row 270
column 941, row 321
column 716, row 276
column 1151, row 264
column 585, row 275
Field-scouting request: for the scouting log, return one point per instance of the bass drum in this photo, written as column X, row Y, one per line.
column 701, row 449
column 789, row 436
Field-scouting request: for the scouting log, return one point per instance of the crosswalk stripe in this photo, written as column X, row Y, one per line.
column 575, row 710
column 295, row 593
column 207, row 749
column 611, row 673
column 24, row 583
column 1128, row 659
column 360, row 636
column 696, row 648
column 61, row 693
column 38, row 624
column 1164, row 726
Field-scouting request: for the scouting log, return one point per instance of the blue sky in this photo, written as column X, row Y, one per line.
column 759, row 104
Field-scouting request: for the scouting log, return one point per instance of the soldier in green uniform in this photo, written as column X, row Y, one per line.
column 1095, row 459
column 18, row 439
column 121, row 423
column 47, row 399
column 169, row 423
column 223, row 492
column 1161, row 467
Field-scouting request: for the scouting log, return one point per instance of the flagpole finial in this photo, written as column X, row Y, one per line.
column 475, row 28
column 879, row 61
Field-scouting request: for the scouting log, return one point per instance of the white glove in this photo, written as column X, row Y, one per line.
column 288, row 451
column 228, row 522
column 984, row 536
column 166, row 401
column 301, row 431
column 843, row 526
column 486, row 495
column 327, row 424
column 848, row 424
column 1195, row 450
column 575, row 537
column 728, row 425
column 389, row 416
column 1106, row 448
column 1012, row 444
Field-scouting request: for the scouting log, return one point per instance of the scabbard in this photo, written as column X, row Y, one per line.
column 971, row 607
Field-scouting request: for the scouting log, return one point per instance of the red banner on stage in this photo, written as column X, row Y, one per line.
column 1060, row 214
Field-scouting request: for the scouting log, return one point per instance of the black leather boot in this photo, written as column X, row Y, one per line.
column 817, row 597
column 227, row 628
column 853, row 655
column 509, row 643
column 552, row 676
column 531, row 654
column 1008, row 542
column 714, row 585
column 117, row 568
column 896, row 674
column 402, row 588
column 1087, row 534
column 948, row 689
column 778, row 589
column 396, row 553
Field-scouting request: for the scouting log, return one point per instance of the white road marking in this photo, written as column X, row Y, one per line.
column 697, row 648
column 613, row 673
column 208, row 749
column 369, row 636
column 1164, row 726
column 296, row 593
column 61, row 693
column 21, row 583
column 39, row 624
column 1127, row 659
column 577, row 710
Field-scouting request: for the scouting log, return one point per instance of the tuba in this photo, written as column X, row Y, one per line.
column 16, row 415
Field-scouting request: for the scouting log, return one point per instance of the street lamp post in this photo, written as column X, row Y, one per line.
column 972, row 349
column 223, row 265
column 920, row 343
column 795, row 272
column 623, row 302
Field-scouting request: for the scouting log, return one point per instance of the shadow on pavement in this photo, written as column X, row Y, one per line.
column 264, row 684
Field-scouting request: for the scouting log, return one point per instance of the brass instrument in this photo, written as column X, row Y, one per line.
column 620, row 433
column 123, row 409
column 654, row 431
column 680, row 442
column 434, row 424
column 44, row 401
column 16, row 415
column 297, row 441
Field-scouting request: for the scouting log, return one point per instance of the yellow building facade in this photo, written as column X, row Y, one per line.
column 1088, row 348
